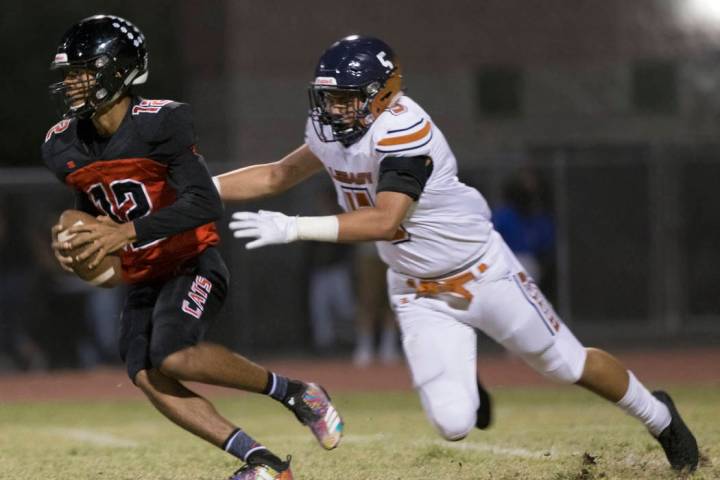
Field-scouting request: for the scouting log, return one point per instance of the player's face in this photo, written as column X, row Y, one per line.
column 78, row 83
column 343, row 106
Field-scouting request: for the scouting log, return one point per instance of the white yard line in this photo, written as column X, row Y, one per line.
column 92, row 436
column 494, row 449
column 463, row 445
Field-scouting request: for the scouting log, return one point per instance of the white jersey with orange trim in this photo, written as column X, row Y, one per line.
column 447, row 228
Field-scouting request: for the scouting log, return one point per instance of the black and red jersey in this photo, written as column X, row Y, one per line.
column 147, row 172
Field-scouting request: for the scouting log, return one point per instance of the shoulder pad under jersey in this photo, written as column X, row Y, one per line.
column 400, row 130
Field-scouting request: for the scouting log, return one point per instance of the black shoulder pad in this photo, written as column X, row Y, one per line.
column 406, row 175
column 166, row 124
column 58, row 140
column 157, row 119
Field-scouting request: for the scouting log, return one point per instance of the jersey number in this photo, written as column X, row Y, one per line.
column 359, row 197
column 126, row 201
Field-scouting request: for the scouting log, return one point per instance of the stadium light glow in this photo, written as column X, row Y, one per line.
column 704, row 13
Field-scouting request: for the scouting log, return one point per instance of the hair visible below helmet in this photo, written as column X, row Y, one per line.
column 364, row 72
column 112, row 51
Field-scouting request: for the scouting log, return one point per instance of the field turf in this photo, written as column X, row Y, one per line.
column 544, row 433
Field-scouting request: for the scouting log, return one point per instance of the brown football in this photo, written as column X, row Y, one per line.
column 109, row 273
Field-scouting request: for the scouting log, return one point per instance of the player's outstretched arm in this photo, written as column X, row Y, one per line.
column 367, row 224
column 268, row 179
column 379, row 223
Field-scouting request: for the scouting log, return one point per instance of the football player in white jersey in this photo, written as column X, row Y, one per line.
column 449, row 273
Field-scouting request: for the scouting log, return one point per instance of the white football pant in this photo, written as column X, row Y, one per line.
column 440, row 341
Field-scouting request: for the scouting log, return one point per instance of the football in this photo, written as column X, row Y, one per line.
column 109, row 273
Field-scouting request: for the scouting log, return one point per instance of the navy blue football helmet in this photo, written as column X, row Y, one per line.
column 355, row 81
column 112, row 54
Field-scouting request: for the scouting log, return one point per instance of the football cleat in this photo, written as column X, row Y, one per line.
column 251, row 471
column 484, row 411
column 312, row 407
column 677, row 440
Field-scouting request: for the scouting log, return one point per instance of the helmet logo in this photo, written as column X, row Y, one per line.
column 325, row 81
column 384, row 61
column 61, row 58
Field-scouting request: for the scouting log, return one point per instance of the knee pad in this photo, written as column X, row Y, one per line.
column 449, row 407
column 563, row 361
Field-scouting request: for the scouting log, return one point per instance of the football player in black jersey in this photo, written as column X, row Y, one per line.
column 133, row 163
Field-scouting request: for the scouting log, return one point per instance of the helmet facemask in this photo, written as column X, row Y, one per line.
column 344, row 112
column 86, row 87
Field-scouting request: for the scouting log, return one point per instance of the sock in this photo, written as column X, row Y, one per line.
column 388, row 343
column 241, row 445
column 641, row 404
column 277, row 386
column 364, row 341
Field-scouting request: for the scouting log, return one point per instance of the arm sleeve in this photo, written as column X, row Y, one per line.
column 198, row 202
column 406, row 175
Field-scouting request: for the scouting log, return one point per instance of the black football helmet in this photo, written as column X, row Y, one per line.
column 111, row 52
column 355, row 81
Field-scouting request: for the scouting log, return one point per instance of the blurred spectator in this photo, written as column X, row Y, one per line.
column 18, row 276
column 526, row 224
column 332, row 304
column 374, row 315
column 102, row 319
column 339, row 301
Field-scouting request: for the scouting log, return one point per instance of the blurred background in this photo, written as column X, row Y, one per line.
column 590, row 126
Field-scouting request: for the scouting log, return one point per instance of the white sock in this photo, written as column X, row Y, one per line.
column 364, row 341
column 641, row 404
column 388, row 339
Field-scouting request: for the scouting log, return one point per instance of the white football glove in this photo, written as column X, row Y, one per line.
column 267, row 228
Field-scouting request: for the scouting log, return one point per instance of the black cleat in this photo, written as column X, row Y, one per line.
column 677, row 440
column 312, row 407
column 484, row 411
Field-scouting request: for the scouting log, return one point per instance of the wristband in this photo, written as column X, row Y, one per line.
column 323, row 229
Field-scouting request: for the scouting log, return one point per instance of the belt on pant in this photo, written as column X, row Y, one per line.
column 454, row 285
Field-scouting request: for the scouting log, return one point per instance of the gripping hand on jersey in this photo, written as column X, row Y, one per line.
column 267, row 228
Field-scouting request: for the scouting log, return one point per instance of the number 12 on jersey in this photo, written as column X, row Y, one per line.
column 128, row 200
column 359, row 197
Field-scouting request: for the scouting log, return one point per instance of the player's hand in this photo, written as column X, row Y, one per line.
column 102, row 238
column 267, row 228
column 65, row 262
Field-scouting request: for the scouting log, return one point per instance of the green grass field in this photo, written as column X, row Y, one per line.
column 557, row 434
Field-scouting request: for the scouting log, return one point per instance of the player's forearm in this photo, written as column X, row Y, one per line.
column 197, row 202
column 367, row 224
column 268, row 179
column 192, row 209
column 255, row 181
column 380, row 222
